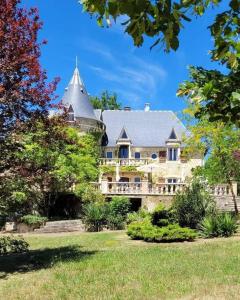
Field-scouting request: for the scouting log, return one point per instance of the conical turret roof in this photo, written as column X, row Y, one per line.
column 77, row 97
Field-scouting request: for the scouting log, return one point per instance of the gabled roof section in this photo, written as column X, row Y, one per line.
column 172, row 135
column 145, row 129
column 123, row 134
column 76, row 95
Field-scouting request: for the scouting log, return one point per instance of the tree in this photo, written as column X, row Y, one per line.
column 53, row 159
column 218, row 142
column 106, row 101
column 24, row 93
column 216, row 93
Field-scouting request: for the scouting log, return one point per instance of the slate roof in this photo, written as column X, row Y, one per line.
column 144, row 128
column 76, row 95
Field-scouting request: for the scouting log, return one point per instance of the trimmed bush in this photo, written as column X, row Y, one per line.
column 151, row 233
column 33, row 220
column 12, row 245
column 218, row 225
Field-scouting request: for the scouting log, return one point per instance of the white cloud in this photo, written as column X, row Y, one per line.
column 133, row 78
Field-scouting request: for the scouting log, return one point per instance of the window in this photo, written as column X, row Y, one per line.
column 172, row 154
column 137, row 155
column 109, row 154
column 172, row 180
column 137, row 179
column 154, row 156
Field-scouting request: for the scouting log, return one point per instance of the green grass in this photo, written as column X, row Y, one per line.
column 110, row 266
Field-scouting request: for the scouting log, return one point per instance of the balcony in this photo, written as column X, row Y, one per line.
column 125, row 161
column 141, row 188
column 159, row 189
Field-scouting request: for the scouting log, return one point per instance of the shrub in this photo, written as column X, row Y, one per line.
column 218, row 225
column 227, row 224
column 117, row 211
column 162, row 216
column 172, row 233
column 33, row 220
column 138, row 216
column 192, row 205
column 90, row 194
column 94, row 215
column 12, row 245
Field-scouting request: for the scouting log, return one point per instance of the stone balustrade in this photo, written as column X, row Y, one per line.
column 124, row 161
column 146, row 188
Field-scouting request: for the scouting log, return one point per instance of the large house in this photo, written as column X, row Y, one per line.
column 142, row 150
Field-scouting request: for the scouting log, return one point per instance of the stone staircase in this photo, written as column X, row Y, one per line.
column 226, row 203
column 61, row 226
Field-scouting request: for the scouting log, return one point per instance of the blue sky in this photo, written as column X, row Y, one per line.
column 108, row 59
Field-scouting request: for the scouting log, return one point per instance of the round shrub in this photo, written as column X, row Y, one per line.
column 150, row 233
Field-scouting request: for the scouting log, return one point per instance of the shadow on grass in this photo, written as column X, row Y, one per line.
column 40, row 259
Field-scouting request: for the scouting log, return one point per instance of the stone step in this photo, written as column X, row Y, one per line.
column 64, row 222
column 61, row 226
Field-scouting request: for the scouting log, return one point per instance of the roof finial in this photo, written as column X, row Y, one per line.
column 76, row 62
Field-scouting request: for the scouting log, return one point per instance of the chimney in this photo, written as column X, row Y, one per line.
column 127, row 108
column 147, row 107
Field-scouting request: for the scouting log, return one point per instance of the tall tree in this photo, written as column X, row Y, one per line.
column 24, row 91
column 105, row 101
column 53, row 159
column 218, row 142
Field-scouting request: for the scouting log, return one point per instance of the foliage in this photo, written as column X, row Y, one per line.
column 24, row 92
column 112, row 214
column 218, row 225
column 150, row 233
column 105, row 169
column 89, row 194
column 94, row 215
column 138, row 216
column 12, row 245
column 215, row 94
column 33, row 220
column 164, row 21
column 162, row 216
column 118, row 209
column 220, row 141
column 106, row 101
column 192, row 205
column 53, row 159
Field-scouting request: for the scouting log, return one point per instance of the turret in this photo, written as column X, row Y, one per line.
column 80, row 110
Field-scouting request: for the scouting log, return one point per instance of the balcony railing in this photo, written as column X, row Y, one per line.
column 125, row 161
column 145, row 188
column 141, row 188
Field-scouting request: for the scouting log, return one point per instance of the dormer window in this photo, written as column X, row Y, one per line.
column 173, row 154
column 71, row 117
column 123, row 134
column 173, row 135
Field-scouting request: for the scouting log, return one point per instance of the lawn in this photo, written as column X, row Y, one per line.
column 110, row 266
